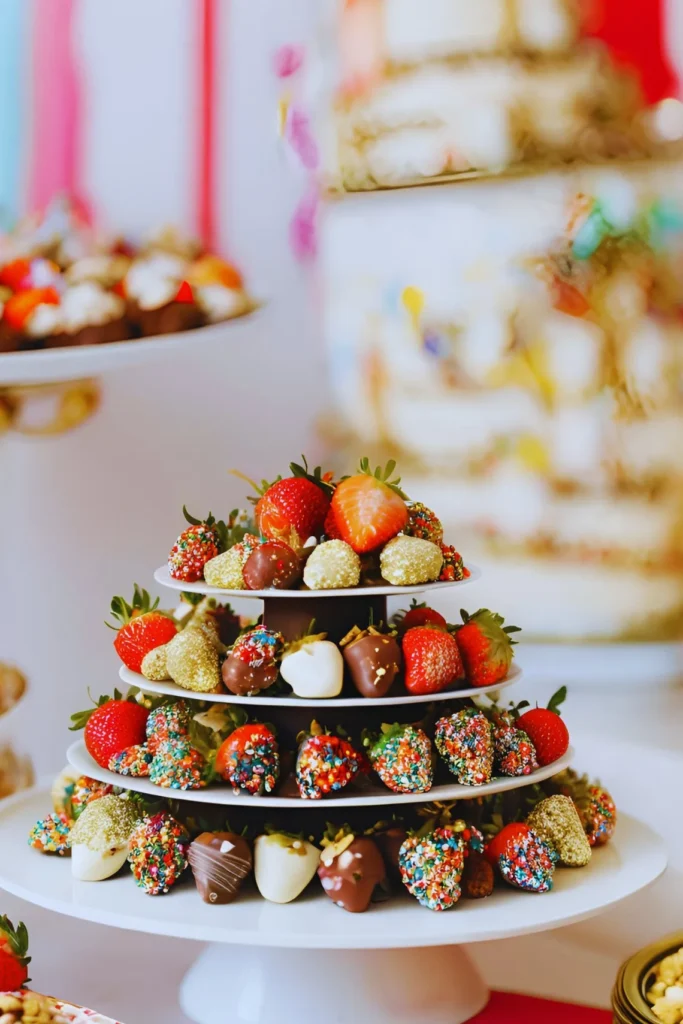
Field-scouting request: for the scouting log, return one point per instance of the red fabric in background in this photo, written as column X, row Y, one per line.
column 635, row 31
column 505, row 1008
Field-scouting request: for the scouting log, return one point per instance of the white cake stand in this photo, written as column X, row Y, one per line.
column 267, row 964
column 398, row 963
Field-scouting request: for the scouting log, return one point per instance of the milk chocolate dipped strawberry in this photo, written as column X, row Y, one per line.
column 272, row 565
column 374, row 660
column 284, row 865
column 325, row 764
column 313, row 666
column 351, row 868
column 220, row 861
column 252, row 664
column 249, row 759
column 402, row 757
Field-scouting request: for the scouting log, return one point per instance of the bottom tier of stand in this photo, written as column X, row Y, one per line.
column 270, row 963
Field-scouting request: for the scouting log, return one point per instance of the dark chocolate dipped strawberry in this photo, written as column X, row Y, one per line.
column 373, row 659
column 252, row 664
column 220, row 861
column 272, row 565
column 351, row 868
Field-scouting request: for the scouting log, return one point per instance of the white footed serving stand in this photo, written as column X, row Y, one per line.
column 398, row 963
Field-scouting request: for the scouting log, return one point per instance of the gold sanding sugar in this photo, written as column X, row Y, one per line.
column 332, row 565
column 557, row 822
column 666, row 994
column 406, row 561
column 105, row 823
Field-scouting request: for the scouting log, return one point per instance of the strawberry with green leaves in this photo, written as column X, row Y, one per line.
column 369, row 508
column 294, row 508
column 546, row 730
column 402, row 756
column 14, row 960
column 141, row 628
column 432, row 660
column 485, row 647
column 112, row 726
column 198, row 544
column 418, row 615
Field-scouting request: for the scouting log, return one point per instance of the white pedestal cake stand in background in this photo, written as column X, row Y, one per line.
column 271, row 964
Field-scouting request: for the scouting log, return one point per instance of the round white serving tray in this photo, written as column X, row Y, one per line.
column 79, row 758
column 171, row 689
column 164, row 579
column 634, row 859
column 48, row 366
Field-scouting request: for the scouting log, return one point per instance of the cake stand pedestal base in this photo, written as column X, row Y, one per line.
column 252, row 985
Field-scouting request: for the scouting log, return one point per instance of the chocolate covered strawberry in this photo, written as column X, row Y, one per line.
column 14, row 960
column 249, row 759
column 369, row 508
column 485, row 647
column 252, row 664
column 325, row 764
column 546, row 730
column 112, row 726
column 373, row 660
column 203, row 540
column 351, row 868
column 432, row 660
column 141, row 628
column 294, row 508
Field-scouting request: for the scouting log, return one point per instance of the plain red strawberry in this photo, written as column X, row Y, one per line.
column 294, row 509
column 546, row 730
column 496, row 847
column 485, row 647
column 197, row 545
column 421, row 615
column 141, row 628
column 369, row 508
column 112, row 726
column 14, row 960
column 432, row 660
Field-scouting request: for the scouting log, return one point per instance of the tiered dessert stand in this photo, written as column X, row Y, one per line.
column 274, row 964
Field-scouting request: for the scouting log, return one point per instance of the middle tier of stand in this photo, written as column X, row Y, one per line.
column 79, row 758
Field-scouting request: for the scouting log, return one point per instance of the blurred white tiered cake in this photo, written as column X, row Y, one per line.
column 515, row 340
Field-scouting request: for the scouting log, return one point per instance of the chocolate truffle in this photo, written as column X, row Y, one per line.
column 374, row 661
column 220, row 862
column 350, row 870
column 272, row 565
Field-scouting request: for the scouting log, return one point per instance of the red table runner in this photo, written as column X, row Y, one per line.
column 505, row 1008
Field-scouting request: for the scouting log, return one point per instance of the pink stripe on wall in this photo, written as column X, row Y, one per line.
column 55, row 157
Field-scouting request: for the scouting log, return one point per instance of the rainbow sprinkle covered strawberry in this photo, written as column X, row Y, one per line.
column 197, row 545
column 431, row 867
column 402, row 757
column 465, row 742
column 249, row 759
column 325, row 764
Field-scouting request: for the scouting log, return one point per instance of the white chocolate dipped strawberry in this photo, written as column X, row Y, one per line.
column 314, row 667
column 99, row 839
column 283, row 866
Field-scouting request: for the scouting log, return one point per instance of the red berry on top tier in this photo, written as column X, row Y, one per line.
column 485, row 646
column 420, row 615
column 294, row 509
column 369, row 508
column 112, row 726
column 432, row 660
column 13, row 959
column 141, row 629
column 546, row 730
column 195, row 546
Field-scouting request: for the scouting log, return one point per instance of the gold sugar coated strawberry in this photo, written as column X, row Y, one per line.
column 195, row 546
column 407, row 561
column 452, row 570
column 225, row 570
column 556, row 821
column 192, row 661
column 332, row 565
column 423, row 523
column 155, row 664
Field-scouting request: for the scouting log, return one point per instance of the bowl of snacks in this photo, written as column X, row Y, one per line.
column 649, row 987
